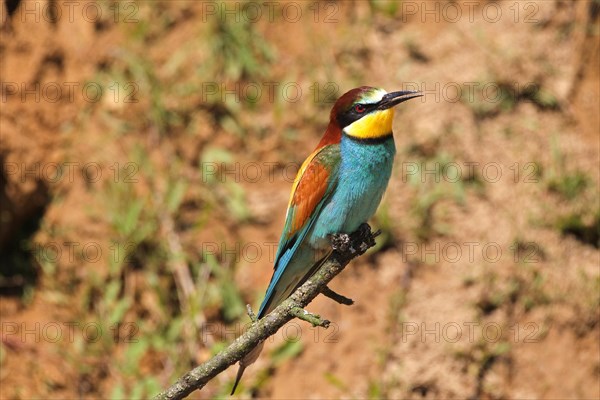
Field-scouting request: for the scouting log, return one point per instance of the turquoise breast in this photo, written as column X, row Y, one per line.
column 365, row 170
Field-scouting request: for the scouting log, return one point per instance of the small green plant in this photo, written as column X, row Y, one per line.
column 582, row 217
column 585, row 229
column 226, row 292
column 541, row 97
column 523, row 290
column 479, row 359
column 560, row 179
column 384, row 7
column 492, row 99
column 335, row 381
column 238, row 49
column 495, row 97
column 569, row 185
column 223, row 189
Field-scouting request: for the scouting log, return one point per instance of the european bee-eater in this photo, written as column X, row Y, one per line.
column 338, row 188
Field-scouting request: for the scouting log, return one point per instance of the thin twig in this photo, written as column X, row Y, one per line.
column 250, row 313
column 195, row 379
column 327, row 292
column 313, row 319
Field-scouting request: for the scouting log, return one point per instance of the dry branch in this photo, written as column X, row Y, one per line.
column 346, row 247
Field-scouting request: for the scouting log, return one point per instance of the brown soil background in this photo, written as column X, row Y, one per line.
column 427, row 323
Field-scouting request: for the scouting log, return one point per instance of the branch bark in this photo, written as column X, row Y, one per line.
column 354, row 245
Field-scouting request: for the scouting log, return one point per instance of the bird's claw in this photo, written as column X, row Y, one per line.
column 340, row 242
column 363, row 237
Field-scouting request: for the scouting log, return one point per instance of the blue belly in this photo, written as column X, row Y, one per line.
column 364, row 174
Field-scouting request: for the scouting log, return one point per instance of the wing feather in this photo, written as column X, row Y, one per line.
column 314, row 183
column 316, row 178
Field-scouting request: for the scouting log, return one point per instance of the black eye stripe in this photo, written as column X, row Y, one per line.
column 349, row 116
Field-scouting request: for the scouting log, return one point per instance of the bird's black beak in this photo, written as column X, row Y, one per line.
column 394, row 98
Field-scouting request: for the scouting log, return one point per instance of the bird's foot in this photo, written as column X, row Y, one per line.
column 357, row 242
column 311, row 318
column 336, row 296
column 340, row 242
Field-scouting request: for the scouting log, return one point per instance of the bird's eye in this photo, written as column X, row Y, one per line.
column 359, row 108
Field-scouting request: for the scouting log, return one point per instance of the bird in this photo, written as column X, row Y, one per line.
column 337, row 188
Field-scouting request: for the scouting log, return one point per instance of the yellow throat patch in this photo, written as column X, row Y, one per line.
column 372, row 126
